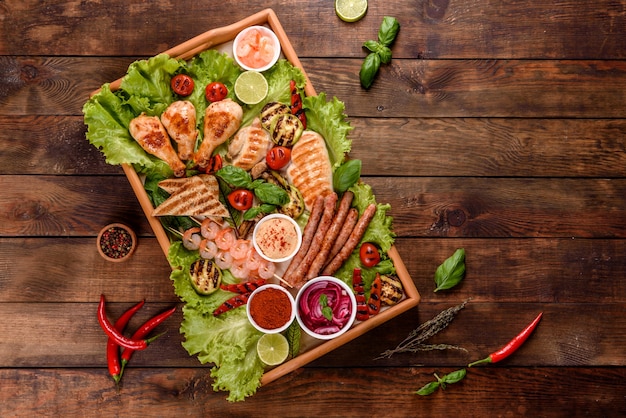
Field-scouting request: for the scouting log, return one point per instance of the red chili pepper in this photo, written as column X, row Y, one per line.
column 232, row 303
column 113, row 350
column 362, row 313
column 245, row 287
column 373, row 303
column 115, row 334
column 296, row 103
column 143, row 332
column 511, row 346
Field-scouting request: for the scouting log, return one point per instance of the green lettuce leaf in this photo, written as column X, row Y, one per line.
column 328, row 118
column 147, row 84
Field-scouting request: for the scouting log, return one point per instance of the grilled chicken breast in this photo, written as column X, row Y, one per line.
column 150, row 133
column 310, row 170
column 221, row 120
column 179, row 119
column 249, row 146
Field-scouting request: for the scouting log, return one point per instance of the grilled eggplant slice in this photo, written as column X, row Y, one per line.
column 206, row 276
column 391, row 291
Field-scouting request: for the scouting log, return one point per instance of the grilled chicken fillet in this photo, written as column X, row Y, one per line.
column 150, row 133
column 221, row 120
column 310, row 170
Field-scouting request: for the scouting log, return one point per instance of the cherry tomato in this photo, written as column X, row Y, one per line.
column 215, row 163
column 215, row 91
column 369, row 254
column 278, row 157
column 182, row 84
column 241, row 199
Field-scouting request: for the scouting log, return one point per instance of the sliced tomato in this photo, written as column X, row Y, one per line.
column 278, row 157
column 369, row 254
column 182, row 84
column 241, row 199
column 215, row 91
column 215, row 163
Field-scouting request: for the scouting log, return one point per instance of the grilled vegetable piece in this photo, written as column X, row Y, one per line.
column 285, row 129
column 206, row 276
column 295, row 207
column 391, row 291
column 270, row 110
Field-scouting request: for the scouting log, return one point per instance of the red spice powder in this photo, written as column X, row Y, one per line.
column 270, row 308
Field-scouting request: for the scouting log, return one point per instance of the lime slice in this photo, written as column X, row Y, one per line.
column 350, row 10
column 272, row 349
column 251, row 87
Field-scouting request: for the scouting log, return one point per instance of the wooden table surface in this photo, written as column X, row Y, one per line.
column 498, row 127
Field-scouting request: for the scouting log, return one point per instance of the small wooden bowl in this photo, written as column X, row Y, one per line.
column 120, row 251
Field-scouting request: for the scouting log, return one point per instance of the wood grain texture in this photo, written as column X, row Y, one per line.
column 498, row 127
column 163, row 392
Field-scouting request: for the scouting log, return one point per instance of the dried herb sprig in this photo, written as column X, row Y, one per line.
column 414, row 342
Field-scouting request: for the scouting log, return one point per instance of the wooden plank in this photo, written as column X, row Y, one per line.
column 569, row 335
column 405, row 88
column 430, row 147
column 506, row 270
column 433, row 29
column 478, row 88
column 482, row 207
column 169, row 392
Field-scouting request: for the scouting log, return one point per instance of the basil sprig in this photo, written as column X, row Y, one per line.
column 326, row 310
column 451, row 272
column 380, row 51
column 441, row 382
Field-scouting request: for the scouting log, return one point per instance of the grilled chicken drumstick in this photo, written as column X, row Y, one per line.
column 221, row 120
column 249, row 146
column 180, row 121
column 150, row 133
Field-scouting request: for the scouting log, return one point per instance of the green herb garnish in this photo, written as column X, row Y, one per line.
column 451, row 272
column 379, row 51
column 441, row 382
column 326, row 310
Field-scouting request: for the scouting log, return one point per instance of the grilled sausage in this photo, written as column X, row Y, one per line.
column 307, row 237
column 353, row 241
column 344, row 234
column 299, row 275
column 331, row 236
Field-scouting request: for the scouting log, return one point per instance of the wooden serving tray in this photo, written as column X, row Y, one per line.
column 314, row 349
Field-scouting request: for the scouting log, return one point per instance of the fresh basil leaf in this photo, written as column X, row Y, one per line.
column 373, row 46
column 235, row 176
column 369, row 69
column 451, row 271
column 252, row 213
column 388, row 30
column 346, row 175
column 271, row 193
column 428, row 388
column 454, row 377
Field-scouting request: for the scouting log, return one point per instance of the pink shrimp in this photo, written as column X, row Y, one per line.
column 224, row 260
column 192, row 238
column 209, row 229
column 240, row 249
column 266, row 270
column 225, row 239
column 207, row 249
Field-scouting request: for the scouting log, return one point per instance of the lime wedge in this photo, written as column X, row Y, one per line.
column 251, row 87
column 350, row 10
column 272, row 349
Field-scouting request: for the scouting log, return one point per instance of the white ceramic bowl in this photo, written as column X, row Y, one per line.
column 318, row 281
column 255, row 294
column 268, row 34
column 266, row 240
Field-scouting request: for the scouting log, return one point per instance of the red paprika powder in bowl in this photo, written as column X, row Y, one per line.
column 271, row 309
